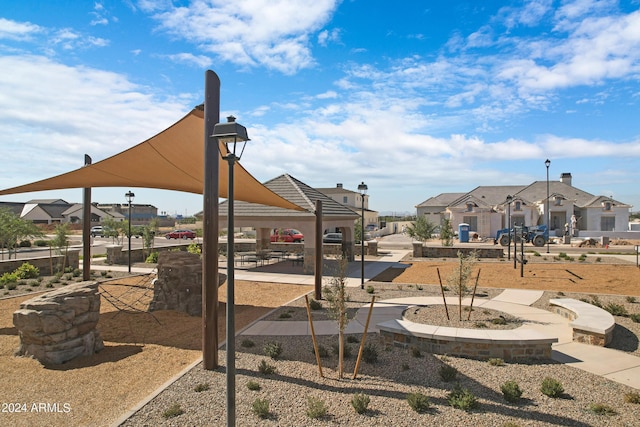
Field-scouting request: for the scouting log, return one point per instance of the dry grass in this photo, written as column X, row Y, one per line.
column 142, row 352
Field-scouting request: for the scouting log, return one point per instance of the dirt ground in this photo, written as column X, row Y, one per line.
column 565, row 276
column 142, row 352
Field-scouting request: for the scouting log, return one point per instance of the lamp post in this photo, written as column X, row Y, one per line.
column 509, row 200
column 230, row 134
column 547, row 163
column 129, row 195
column 362, row 188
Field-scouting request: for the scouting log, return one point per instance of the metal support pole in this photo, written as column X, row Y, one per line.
column 362, row 247
column 547, row 163
column 318, row 257
column 210, row 224
column 86, row 228
column 129, row 251
column 231, row 324
column 509, row 228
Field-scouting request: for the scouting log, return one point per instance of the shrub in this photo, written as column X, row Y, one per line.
column 405, row 367
column 370, row 289
column 247, row 343
column 285, row 315
column 418, row 402
column 495, row 361
column 370, row 353
column 616, row 309
column 41, row 243
column 322, row 351
column 601, row 409
column 631, row 300
column 152, row 258
column 272, row 349
column 635, row 317
column 316, row 408
column 499, row 321
column 260, row 407
column 253, row 386
column 447, row 373
column 173, row 411
column 511, row 391
column 632, row 397
column 479, row 325
column 360, row 402
column 8, row 278
column 335, row 348
column 551, row 387
column 415, row 352
column 461, row 398
column 265, row 368
column 27, row 271
column 352, row 339
column 315, row 305
column 201, row 387
column 11, row 286
column 596, row 301
column 582, row 257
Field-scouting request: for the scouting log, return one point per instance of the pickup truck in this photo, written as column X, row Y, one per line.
column 287, row 235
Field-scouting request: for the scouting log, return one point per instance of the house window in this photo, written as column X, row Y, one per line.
column 518, row 206
column 558, row 201
column 472, row 221
column 469, row 207
column 607, row 223
column 606, row 206
column 345, row 199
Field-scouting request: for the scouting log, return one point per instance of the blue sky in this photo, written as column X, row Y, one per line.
column 416, row 100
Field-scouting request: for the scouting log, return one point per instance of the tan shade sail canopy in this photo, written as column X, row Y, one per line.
column 171, row 160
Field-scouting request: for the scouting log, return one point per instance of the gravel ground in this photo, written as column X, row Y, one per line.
column 387, row 382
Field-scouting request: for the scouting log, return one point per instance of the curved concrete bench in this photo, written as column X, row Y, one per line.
column 507, row 344
column 591, row 324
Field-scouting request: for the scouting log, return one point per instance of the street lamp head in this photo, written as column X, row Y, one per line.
column 362, row 188
column 509, row 198
column 129, row 195
column 230, row 134
column 547, row 163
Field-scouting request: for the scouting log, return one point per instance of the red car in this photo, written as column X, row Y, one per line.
column 181, row 234
column 287, row 235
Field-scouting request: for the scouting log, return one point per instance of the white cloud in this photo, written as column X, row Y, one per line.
column 271, row 33
column 200, row 61
column 13, row 30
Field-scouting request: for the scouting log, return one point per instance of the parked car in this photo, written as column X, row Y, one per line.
column 287, row 235
column 332, row 238
column 97, row 230
column 181, row 234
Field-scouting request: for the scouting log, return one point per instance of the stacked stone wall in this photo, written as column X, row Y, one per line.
column 60, row 325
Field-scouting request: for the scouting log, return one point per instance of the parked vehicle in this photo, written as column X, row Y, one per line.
column 97, row 230
column 332, row 238
column 181, row 234
column 538, row 235
column 287, row 235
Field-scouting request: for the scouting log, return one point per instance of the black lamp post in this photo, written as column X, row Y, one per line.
column 362, row 188
column 230, row 134
column 547, row 163
column 509, row 200
column 129, row 195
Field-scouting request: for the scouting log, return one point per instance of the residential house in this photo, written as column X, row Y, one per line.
column 353, row 200
column 571, row 209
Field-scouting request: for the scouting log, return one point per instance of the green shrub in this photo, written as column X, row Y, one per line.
column 25, row 243
column 370, row 289
column 322, row 351
column 632, row 397
column 499, row 321
column 265, row 368
column 260, row 407
column 173, row 411
column 596, row 301
column 582, row 257
column 461, row 398
column 360, row 402
column 201, row 387
column 495, row 361
column 41, row 243
column 415, row 352
column 316, row 408
column 447, row 373
column 635, row 317
column 11, row 286
column 253, row 386
column 601, row 409
column 194, row 248
column 8, row 278
column 370, row 353
column 27, row 271
column 511, row 391
column 285, row 315
column 247, row 343
column 551, row 387
column 352, row 339
column 479, row 325
column 315, row 305
column 152, row 258
column 418, row 402
column 616, row 309
column 631, row 300
column 335, row 348
column 272, row 349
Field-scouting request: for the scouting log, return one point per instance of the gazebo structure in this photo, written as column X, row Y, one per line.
column 266, row 218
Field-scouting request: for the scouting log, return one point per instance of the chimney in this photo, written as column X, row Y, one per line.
column 339, row 185
column 565, row 177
